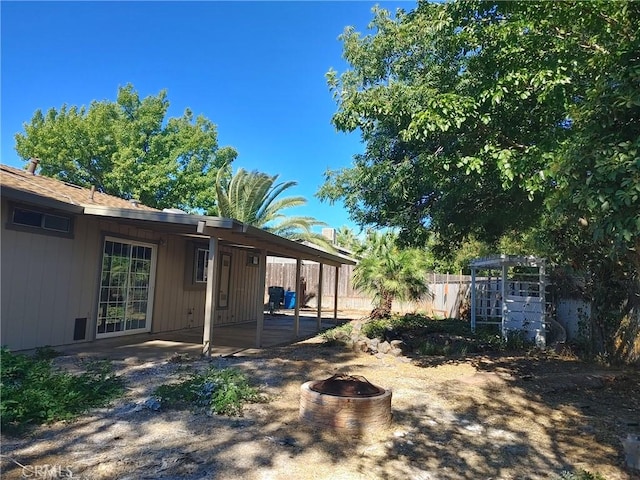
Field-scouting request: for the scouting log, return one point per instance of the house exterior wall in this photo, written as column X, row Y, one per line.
column 244, row 290
column 48, row 281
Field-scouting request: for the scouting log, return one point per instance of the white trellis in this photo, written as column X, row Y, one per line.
column 509, row 292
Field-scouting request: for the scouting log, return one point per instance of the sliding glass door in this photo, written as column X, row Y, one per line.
column 126, row 287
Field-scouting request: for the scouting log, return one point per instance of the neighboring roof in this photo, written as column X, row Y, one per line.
column 23, row 186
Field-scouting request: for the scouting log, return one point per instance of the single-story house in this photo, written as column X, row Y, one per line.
column 79, row 265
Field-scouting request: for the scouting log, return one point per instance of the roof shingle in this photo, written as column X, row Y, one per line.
column 64, row 192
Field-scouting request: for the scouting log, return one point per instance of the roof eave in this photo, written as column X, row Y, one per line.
column 22, row 196
column 226, row 228
column 304, row 252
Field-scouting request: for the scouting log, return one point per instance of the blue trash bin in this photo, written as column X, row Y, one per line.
column 289, row 299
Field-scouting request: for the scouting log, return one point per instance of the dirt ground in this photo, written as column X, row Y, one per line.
column 480, row 417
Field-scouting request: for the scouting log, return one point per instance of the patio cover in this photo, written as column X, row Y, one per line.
column 237, row 234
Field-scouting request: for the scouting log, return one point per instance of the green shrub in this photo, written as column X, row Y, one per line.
column 33, row 391
column 376, row 328
column 414, row 322
column 449, row 336
column 516, row 340
column 431, row 348
column 222, row 392
column 456, row 348
column 337, row 335
column 45, row 353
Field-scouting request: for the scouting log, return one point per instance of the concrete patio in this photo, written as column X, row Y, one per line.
column 239, row 339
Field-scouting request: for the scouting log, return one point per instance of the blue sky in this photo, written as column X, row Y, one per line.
column 256, row 69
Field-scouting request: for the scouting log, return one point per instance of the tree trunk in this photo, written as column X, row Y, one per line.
column 383, row 310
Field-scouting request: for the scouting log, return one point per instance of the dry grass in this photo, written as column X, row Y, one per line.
column 470, row 418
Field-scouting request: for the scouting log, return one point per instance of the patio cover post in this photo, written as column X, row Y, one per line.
column 296, row 322
column 262, row 278
column 335, row 295
column 210, row 302
column 320, row 279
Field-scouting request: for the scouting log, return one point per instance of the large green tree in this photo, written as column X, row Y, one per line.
column 256, row 198
column 481, row 117
column 129, row 148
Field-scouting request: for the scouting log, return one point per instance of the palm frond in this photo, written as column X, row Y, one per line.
column 255, row 198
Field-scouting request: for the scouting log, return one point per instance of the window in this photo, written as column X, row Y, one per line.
column 37, row 219
column 126, row 287
column 200, row 263
column 225, row 279
column 196, row 273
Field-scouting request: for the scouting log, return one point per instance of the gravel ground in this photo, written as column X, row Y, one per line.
column 477, row 417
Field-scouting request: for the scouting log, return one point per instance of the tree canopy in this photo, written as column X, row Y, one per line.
column 482, row 118
column 129, row 148
column 475, row 113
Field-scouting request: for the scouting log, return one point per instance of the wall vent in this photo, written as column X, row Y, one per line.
column 80, row 329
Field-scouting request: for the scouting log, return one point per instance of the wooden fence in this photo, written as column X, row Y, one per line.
column 448, row 294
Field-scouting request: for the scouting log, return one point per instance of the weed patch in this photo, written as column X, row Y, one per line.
column 337, row 335
column 580, row 475
column 222, row 392
column 33, row 391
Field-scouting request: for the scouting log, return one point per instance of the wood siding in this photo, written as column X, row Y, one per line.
column 49, row 281
column 243, row 290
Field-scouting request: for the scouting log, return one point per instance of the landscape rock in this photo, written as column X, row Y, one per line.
column 152, row 403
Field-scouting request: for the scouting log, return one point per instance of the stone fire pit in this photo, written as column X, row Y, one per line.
column 345, row 403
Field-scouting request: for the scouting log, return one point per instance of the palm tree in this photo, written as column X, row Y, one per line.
column 389, row 272
column 253, row 198
column 346, row 237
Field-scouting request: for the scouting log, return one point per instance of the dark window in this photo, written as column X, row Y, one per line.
column 38, row 219
column 27, row 217
column 54, row 222
column 201, row 260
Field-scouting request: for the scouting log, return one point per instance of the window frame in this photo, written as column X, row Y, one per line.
column 225, row 273
column 197, row 267
column 41, row 229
